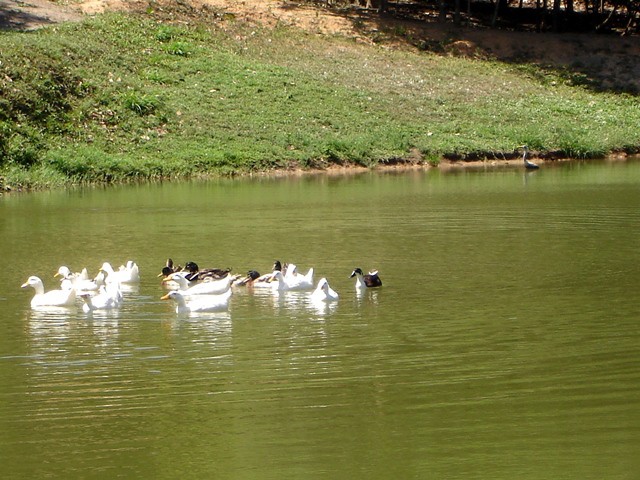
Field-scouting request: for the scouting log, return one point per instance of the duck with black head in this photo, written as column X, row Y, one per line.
column 196, row 274
column 370, row 280
column 169, row 268
column 254, row 279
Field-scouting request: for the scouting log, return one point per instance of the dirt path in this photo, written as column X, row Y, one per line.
column 32, row 14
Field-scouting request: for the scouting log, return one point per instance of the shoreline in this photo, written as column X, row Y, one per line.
column 333, row 170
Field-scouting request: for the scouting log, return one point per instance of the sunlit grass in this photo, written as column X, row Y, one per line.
column 138, row 100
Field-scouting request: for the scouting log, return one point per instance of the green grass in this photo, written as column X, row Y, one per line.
column 138, row 100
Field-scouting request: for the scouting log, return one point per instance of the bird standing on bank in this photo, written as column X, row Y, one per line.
column 527, row 164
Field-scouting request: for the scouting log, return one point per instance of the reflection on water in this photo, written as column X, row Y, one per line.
column 51, row 315
column 503, row 343
column 321, row 307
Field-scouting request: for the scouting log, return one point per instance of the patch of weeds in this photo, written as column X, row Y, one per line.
column 430, row 45
column 166, row 33
column 433, row 159
column 400, row 30
column 140, row 103
column 181, row 49
column 157, row 76
column 337, row 151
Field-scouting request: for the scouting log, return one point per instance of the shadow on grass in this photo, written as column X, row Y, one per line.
column 597, row 61
column 30, row 15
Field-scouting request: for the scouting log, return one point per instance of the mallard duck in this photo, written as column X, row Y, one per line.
column 366, row 281
column 200, row 303
column 128, row 273
column 196, row 275
column 254, row 278
column 52, row 298
column 212, row 287
column 106, row 299
column 324, row 292
column 527, row 164
column 248, row 280
column 169, row 268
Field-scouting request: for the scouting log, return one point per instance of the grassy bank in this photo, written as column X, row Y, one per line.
column 119, row 98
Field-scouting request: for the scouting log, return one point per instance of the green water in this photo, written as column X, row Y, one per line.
column 504, row 343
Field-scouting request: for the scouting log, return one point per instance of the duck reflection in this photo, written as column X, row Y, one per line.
column 289, row 300
column 368, row 295
column 214, row 317
column 105, row 327
column 130, row 288
column 50, row 317
column 321, row 307
column 210, row 328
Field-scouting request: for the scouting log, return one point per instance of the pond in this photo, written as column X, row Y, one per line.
column 504, row 342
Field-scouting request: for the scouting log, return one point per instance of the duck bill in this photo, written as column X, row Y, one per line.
column 165, row 297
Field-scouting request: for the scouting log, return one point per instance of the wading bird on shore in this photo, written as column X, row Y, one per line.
column 527, row 164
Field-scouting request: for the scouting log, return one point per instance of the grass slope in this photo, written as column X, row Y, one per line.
column 138, row 99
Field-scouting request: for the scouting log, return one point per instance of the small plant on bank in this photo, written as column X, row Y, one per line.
column 141, row 104
column 166, row 33
column 181, row 49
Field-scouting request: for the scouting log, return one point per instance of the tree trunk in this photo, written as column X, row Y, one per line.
column 556, row 15
column 632, row 21
column 442, row 14
column 570, row 8
column 494, row 19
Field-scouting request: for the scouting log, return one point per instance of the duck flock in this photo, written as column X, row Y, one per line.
column 191, row 288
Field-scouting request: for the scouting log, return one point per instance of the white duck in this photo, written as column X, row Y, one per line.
column 52, row 298
column 324, row 292
column 291, row 275
column 125, row 274
column 214, row 287
column 284, row 283
column 104, row 300
column 80, row 282
column 200, row 303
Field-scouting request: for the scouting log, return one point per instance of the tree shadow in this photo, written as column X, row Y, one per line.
column 597, row 61
column 15, row 19
column 25, row 16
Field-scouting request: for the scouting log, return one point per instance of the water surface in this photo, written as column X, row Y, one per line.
column 503, row 344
